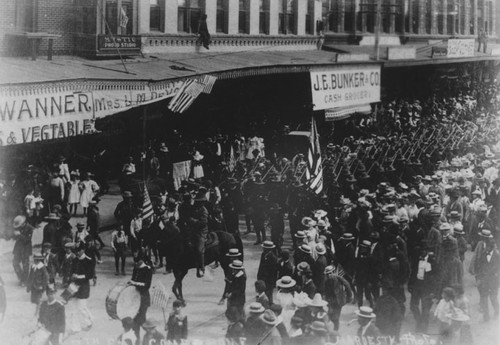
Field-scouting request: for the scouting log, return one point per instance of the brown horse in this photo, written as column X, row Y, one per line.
column 181, row 257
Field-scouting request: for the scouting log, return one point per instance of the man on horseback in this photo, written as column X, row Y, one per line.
column 198, row 226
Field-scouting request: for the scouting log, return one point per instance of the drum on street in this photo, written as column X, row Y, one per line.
column 123, row 300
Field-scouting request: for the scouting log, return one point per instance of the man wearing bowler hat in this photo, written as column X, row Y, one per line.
column 22, row 248
column 268, row 268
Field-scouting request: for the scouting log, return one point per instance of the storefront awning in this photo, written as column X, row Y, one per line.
column 343, row 113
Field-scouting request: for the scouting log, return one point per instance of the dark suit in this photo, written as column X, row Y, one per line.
column 237, row 286
column 82, row 271
column 141, row 276
column 268, row 271
column 487, row 277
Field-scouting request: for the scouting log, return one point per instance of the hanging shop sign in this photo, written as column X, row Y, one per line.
column 31, row 113
column 120, row 42
column 345, row 86
column 460, row 47
column 439, row 52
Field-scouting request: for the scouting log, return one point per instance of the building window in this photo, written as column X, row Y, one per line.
column 462, row 26
column 119, row 21
column 25, row 15
column 370, row 9
column 310, row 26
column 428, row 17
column 399, row 16
column 243, row 17
column 472, row 15
column 189, row 14
column 86, row 22
column 333, row 11
column 489, row 25
column 264, row 16
column 442, row 18
column 156, row 17
column 221, row 17
column 385, row 16
column 286, row 24
column 350, row 16
column 452, row 15
column 415, row 16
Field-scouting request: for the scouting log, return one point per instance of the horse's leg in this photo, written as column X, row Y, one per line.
column 175, row 286
column 181, row 277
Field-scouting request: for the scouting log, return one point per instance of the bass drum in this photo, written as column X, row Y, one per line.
column 123, row 301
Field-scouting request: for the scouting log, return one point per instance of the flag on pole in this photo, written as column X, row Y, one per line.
column 232, row 160
column 123, row 18
column 186, row 95
column 314, row 168
column 159, row 296
column 208, row 81
column 147, row 206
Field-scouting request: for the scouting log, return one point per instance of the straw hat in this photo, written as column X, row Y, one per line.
column 320, row 249
column 268, row 245
column 300, row 234
column 52, row 216
column 445, row 227
column 233, row 252
column 305, row 248
column 365, row 312
column 237, row 265
column 285, row 282
column 347, row 236
column 318, row 301
column 320, row 213
column 127, row 194
column 485, row 233
column 269, row 317
column 308, row 221
column 256, row 308
column 303, row 266
column 19, row 221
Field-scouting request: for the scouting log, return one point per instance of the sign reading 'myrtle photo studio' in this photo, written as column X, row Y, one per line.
column 345, row 86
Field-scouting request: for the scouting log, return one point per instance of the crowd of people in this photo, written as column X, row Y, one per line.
column 402, row 203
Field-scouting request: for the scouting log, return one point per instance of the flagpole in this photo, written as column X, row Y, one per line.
column 144, row 113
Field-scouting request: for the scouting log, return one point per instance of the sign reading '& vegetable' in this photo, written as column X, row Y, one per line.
column 345, row 86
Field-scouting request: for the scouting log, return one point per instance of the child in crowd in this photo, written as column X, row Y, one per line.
column 119, row 244
column 177, row 324
column 444, row 309
column 38, row 281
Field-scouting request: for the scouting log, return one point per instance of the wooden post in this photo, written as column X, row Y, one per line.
column 49, row 50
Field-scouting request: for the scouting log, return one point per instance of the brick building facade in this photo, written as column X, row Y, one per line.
column 165, row 26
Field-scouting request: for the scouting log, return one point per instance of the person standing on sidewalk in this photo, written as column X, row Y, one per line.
column 119, row 244
column 22, row 248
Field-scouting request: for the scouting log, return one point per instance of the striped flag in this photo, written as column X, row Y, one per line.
column 147, row 206
column 208, row 81
column 186, row 95
column 159, row 296
column 232, row 160
column 314, row 168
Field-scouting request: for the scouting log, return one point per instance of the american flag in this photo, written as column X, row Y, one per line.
column 190, row 90
column 147, row 206
column 159, row 296
column 314, row 168
column 208, row 81
column 232, row 160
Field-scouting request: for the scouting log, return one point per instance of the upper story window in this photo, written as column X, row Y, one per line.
column 286, row 17
column 309, row 18
column 189, row 14
column 156, row 15
column 221, row 17
column 243, row 17
column 25, row 15
column 119, row 21
column 263, row 16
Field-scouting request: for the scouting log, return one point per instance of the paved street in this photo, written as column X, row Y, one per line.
column 206, row 317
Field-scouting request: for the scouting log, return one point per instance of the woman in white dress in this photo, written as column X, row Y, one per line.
column 285, row 298
column 88, row 189
column 74, row 192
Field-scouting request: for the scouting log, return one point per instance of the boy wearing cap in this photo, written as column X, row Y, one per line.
column 52, row 317
column 152, row 335
column 268, row 268
column 67, row 264
column 38, row 281
column 81, row 273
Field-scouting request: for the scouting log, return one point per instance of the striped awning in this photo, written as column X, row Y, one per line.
column 337, row 114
